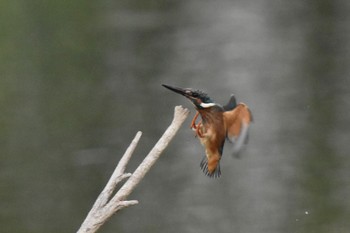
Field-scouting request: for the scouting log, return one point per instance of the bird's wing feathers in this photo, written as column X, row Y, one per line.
column 237, row 125
column 231, row 104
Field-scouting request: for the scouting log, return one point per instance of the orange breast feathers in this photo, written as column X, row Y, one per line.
column 213, row 144
column 212, row 134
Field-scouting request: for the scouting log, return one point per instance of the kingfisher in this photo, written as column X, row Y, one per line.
column 217, row 124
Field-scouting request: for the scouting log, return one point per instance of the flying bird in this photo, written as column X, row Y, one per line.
column 218, row 124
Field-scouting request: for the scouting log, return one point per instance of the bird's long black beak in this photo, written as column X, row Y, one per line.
column 178, row 90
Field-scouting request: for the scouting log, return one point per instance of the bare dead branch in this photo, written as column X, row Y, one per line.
column 106, row 205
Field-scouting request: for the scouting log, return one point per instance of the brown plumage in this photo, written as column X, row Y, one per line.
column 212, row 138
column 237, row 122
column 216, row 125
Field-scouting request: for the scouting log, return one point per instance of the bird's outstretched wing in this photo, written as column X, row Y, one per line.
column 237, row 124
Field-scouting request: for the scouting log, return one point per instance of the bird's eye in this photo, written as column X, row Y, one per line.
column 195, row 94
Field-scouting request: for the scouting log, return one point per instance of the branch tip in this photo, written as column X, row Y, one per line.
column 129, row 203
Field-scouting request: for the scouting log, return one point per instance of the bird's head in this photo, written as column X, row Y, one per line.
column 199, row 98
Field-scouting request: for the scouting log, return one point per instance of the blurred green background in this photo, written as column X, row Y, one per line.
column 80, row 78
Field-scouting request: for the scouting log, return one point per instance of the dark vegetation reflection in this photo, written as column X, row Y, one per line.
column 322, row 75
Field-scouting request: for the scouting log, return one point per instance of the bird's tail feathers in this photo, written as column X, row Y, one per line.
column 204, row 166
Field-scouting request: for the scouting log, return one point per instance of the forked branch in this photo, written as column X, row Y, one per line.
column 106, row 204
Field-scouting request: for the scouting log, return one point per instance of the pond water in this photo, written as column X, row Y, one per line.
column 80, row 78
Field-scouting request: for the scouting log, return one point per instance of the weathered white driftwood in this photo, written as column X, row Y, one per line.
column 107, row 204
